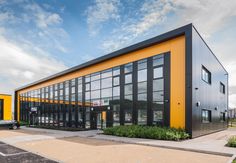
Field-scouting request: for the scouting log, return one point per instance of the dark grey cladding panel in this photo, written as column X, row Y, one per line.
column 208, row 94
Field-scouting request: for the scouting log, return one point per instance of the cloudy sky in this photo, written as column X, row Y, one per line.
column 42, row 37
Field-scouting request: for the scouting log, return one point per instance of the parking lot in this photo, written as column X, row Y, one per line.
column 11, row 154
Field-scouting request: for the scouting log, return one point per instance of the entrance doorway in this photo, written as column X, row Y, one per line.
column 98, row 117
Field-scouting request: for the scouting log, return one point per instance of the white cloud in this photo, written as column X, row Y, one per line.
column 42, row 18
column 152, row 13
column 18, row 67
column 100, row 12
column 209, row 16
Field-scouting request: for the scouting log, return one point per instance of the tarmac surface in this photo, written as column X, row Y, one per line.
column 11, row 154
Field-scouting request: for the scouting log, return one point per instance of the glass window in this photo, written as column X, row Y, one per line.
column 72, row 90
column 142, row 97
column 142, row 87
column 158, row 96
column 87, row 78
column 80, row 88
column 128, row 78
column 128, row 89
column 87, row 95
column 158, row 85
column 206, row 75
column 129, row 97
column 116, row 91
column 158, row 60
column 107, row 92
column 107, row 73
column 73, row 82
column 67, row 91
column 158, row 72
column 80, row 97
column 142, row 64
column 80, row 80
column 73, row 98
column 157, row 115
column 222, row 116
column 206, row 116
column 107, row 82
column 116, row 71
column 222, row 88
column 128, row 67
column 142, row 75
column 116, row 81
column 87, row 86
column 95, row 85
column 116, row 113
column 95, row 76
column 128, row 115
column 158, row 105
column 95, row 94
column 142, row 116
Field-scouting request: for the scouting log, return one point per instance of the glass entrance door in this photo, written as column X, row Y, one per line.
column 98, row 118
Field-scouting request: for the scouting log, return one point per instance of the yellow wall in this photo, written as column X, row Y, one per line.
column 7, row 106
column 177, row 48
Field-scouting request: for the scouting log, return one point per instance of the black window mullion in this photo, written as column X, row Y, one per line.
column 149, row 91
column 122, row 94
column 76, row 103
column 83, row 102
column 64, row 105
column 69, row 104
column 135, row 93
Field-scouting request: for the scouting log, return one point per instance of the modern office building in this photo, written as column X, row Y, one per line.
column 173, row 80
column 5, row 107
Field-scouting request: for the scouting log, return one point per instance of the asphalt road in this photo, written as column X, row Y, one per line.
column 10, row 154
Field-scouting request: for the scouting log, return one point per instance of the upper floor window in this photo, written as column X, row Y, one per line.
column 206, row 75
column 222, row 88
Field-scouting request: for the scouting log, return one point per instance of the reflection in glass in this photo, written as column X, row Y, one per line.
column 128, row 67
column 107, row 92
column 116, row 81
column 116, row 91
column 158, row 85
column 158, row 96
column 128, row 89
column 106, row 83
column 142, row 75
column 158, row 72
column 142, row 87
column 158, row 60
column 95, row 85
column 116, row 71
column 107, row 73
column 95, row 94
column 128, row 78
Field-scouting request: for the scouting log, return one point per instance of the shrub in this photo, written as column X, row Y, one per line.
column 148, row 132
column 231, row 142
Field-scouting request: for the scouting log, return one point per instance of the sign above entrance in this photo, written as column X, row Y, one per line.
column 102, row 102
column 33, row 109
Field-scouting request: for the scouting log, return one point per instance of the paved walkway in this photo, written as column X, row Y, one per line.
column 69, row 146
column 212, row 143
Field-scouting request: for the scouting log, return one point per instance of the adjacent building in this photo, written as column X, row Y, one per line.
column 5, row 107
column 173, row 80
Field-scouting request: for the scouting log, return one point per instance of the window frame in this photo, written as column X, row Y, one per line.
column 209, row 81
column 223, row 86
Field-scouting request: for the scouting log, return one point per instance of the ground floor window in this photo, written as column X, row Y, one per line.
column 206, row 116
